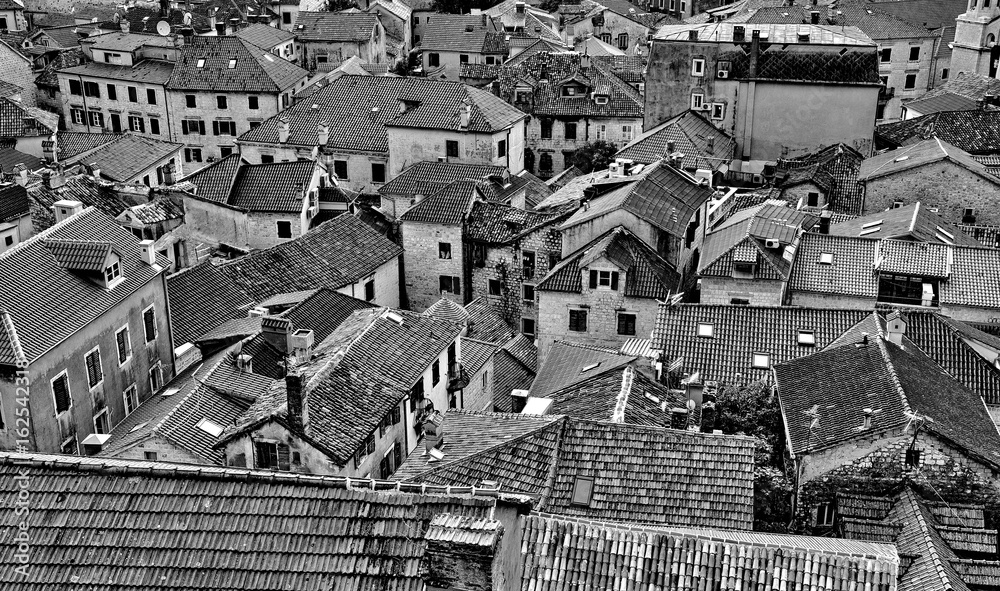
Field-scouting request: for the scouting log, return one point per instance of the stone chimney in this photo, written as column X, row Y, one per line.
column 754, row 53
column 21, row 174
column 814, row 17
column 710, row 144
column 463, row 553
column 211, row 18
column 433, row 432
column 277, row 332
column 283, row 129
column 519, row 7
column 66, row 208
column 693, row 35
column 297, row 410
column 895, row 328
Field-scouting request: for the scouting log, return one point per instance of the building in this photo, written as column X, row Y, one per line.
column 450, row 40
column 701, row 145
column 222, row 87
column 573, row 100
column 48, row 187
column 760, row 83
column 251, row 206
column 589, row 469
column 369, row 128
column 325, row 39
column 26, row 129
column 427, row 178
column 277, row 41
column 525, row 22
column 104, row 344
column 12, row 16
column 976, row 33
column 966, row 91
column 616, row 22
column 18, row 70
column 604, row 293
column 915, row 222
column 48, row 96
column 380, row 397
column 824, row 179
column 15, row 216
column 746, row 260
column 133, row 158
column 946, row 179
column 737, row 345
column 397, row 19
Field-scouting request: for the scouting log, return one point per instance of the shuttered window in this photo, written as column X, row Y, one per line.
column 124, row 345
column 604, row 280
column 94, row 373
column 60, row 391
column 578, row 320
column 149, row 324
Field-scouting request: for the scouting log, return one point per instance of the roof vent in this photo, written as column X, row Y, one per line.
column 394, row 316
column 468, row 28
column 901, row 159
column 211, row 427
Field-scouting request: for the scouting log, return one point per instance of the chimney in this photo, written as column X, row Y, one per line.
column 147, row 253
column 465, row 114
column 584, row 61
column 739, row 33
column 168, row 174
column 895, row 328
column 434, row 433
column 94, row 443
column 94, row 170
column 277, row 332
column 211, row 19
column 124, row 24
column 322, row 133
column 66, row 208
column 519, row 398
column 824, row 221
column 465, row 552
column 519, row 7
column 814, row 17
column 302, row 345
column 234, row 25
column 671, row 148
column 867, row 412
column 283, row 129
column 21, row 174
column 678, row 418
column 710, row 144
column 693, row 35
column 296, row 409
column 754, row 53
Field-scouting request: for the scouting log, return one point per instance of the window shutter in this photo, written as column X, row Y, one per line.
column 122, row 353
column 395, row 416
column 457, row 284
column 381, row 428
column 215, row 128
column 371, row 444
column 397, row 454
column 201, row 128
column 184, row 127
column 383, row 467
column 593, row 280
column 61, row 395
column 150, row 324
column 614, row 280
column 91, row 375
column 283, row 454
column 239, row 460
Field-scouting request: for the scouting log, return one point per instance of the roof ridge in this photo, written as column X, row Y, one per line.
column 618, row 414
column 884, row 352
column 44, row 234
column 550, row 478
column 926, row 539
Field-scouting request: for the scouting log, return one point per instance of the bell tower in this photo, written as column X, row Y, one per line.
column 976, row 32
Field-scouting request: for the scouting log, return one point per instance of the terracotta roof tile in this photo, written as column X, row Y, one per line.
column 335, row 27
column 202, row 298
column 255, row 70
column 124, row 157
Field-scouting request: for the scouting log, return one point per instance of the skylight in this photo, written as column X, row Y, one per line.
column 232, row 64
column 872, row 224
column 826, row 258
column 583, row 491
column 170, row 391
column 201, row 63
column 706, row 330
column 807, row 337
column 137, row 427
column 590, row 367
column 211, row 427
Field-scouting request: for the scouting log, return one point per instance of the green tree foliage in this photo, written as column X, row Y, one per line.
column 596, row 155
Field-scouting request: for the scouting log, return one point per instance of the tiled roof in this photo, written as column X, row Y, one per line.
column 254, row 70
column 427, row 178
column 445, row 309
column 931, row 14
column 275, row 187
column 80, row 255
column 463, row 32
column 73, row 143
column 564, row 552
column 837, row 384
column 921, row 154
column 914, row 221
column 148, row 71
column 358, row 109
column 496, row 223
column 853, row 67
column 475, row 354
column 160, row 209
column 14, row 202
column 841, row 163
column 48, row 303
column 970, row 86
column 62, row 60
column 333, row 254
column 738, row 332
column 871, row 20
column 485, row 323
column 621, row 395
column 509, row 374
column 362, row 539
column 64, row 36
column 264, row 36
column 449, row 206
column 17, row 120
column 976, row 132
column 201, row 298
column 335, row 27
column 641, row 474
column 523, row 349
column 126, row 156
column 567, row 364
column 215, row 181
column 99, row 194
column 750, row 230
column 691, row 134
column 142, row 19
column 9, row 158
column 130, row 42
column 942, row 101
column 647, row 275
column 663, row 196
column 850, row 273
column 773, row 33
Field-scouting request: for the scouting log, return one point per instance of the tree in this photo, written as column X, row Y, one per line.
column 551, row 6
column 338, row 5
column 461, row 6
column 596, row 155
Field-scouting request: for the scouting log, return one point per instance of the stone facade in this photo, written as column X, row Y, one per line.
column 757, row 292
column 908, row 78
column 976, row 33
column 424, row 264
column 559, row 149
column 478, row 395
column 325, row 56
column 614, row 29
column 14, row 231
column 17, row 69
column 407, row 146
column 117, row 114
column 159, row 449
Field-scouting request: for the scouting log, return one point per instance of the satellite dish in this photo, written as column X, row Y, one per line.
column 163, row 28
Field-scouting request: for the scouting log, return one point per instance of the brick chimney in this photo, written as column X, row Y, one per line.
column 297, row 410
column 464, row 115
column 277, row 332
column 754, row 53
column 463, row 553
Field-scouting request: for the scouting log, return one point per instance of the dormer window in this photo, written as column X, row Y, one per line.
column 569, row 91
column 601, row 99
column 112, row 272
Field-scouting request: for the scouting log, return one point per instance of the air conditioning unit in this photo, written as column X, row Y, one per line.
column 722, row 74
column 758, row 179
column 313, row 211
column 772, row 243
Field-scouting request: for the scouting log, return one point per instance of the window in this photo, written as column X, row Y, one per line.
column 151, row 96
column 944, row 73
column 911, row 81
column 416, row 394
column 546, row 125
column 697, row 101
column 969, row 216
column 913, row 458
column 623, row 41
column 528, row 326
column 604, row 280
column 545, row 162
column 101, row 426
column 149, row 455
column 826, row 258
column 270, row 455
column 75, row 87
column 915, row 53
column 149, row 324
column 463, row 58
column 92, row 89
column 583, row 491
column 706, row 330
column 190, row 101
column 253, row 102
column 284, row 229
column 626, row 324
column 627, row 134
column 885, row 56
column 824, row 515
column 266, row 159
column 602, row 131
column 761, row 360
column 812, row 199
column 570, row 130
column 112, row 92
column 61, row 394
column 370, row 290
column 435, row 372
column 189, row 127
column 154, row 126
column 494, row 287
column 286, row 18
column 201, row 63
column 807, row 338
column 112, row 272
column 221, row 102
column 698, row 67
column 69, row 447
column 192, row 154
column 155, row 378
column 124, row 344
column 78, row 116
column 378, row 172
column 96, row 118
column 433, row 60
column 94, row 373
column 718, row 111
column 528, row 292
column 131, row 399
column 225, row 151
column 450, row 285
column 444, row 250
column 578, row 320
column 340, row 169
column 232, row 64
column 502, row 149
column 904, row 289
column 136, row 123
column 224, row 127
column 606, row 37
column 254, row 124
column 451, row 148
column 528, row 264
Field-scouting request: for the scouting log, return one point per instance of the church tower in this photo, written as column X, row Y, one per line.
column 976, row 31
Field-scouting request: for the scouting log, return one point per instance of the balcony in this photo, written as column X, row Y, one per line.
column 458, row 378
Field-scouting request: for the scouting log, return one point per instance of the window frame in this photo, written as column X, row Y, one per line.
column 97, row 365
column 489, row 287
column 577, row 494
column 444, row 251
column 634, row 322
column 157, row 370
column 103, row 413
column 128, row 345
column 64, row 375
column 125, row 398
column 525, row 288
column 760, row 360
column 278, row 227
column 534, row 327
column 145, row 332
column 222, row 102
column 698, row 67
column 451, row 148
column 705, row 330
column 578, row 316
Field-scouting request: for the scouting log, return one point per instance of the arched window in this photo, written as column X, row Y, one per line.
column 991, row 40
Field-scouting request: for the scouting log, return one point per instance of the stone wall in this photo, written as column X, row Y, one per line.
column 759, row 292
column 423, row 265
column 943, row 185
